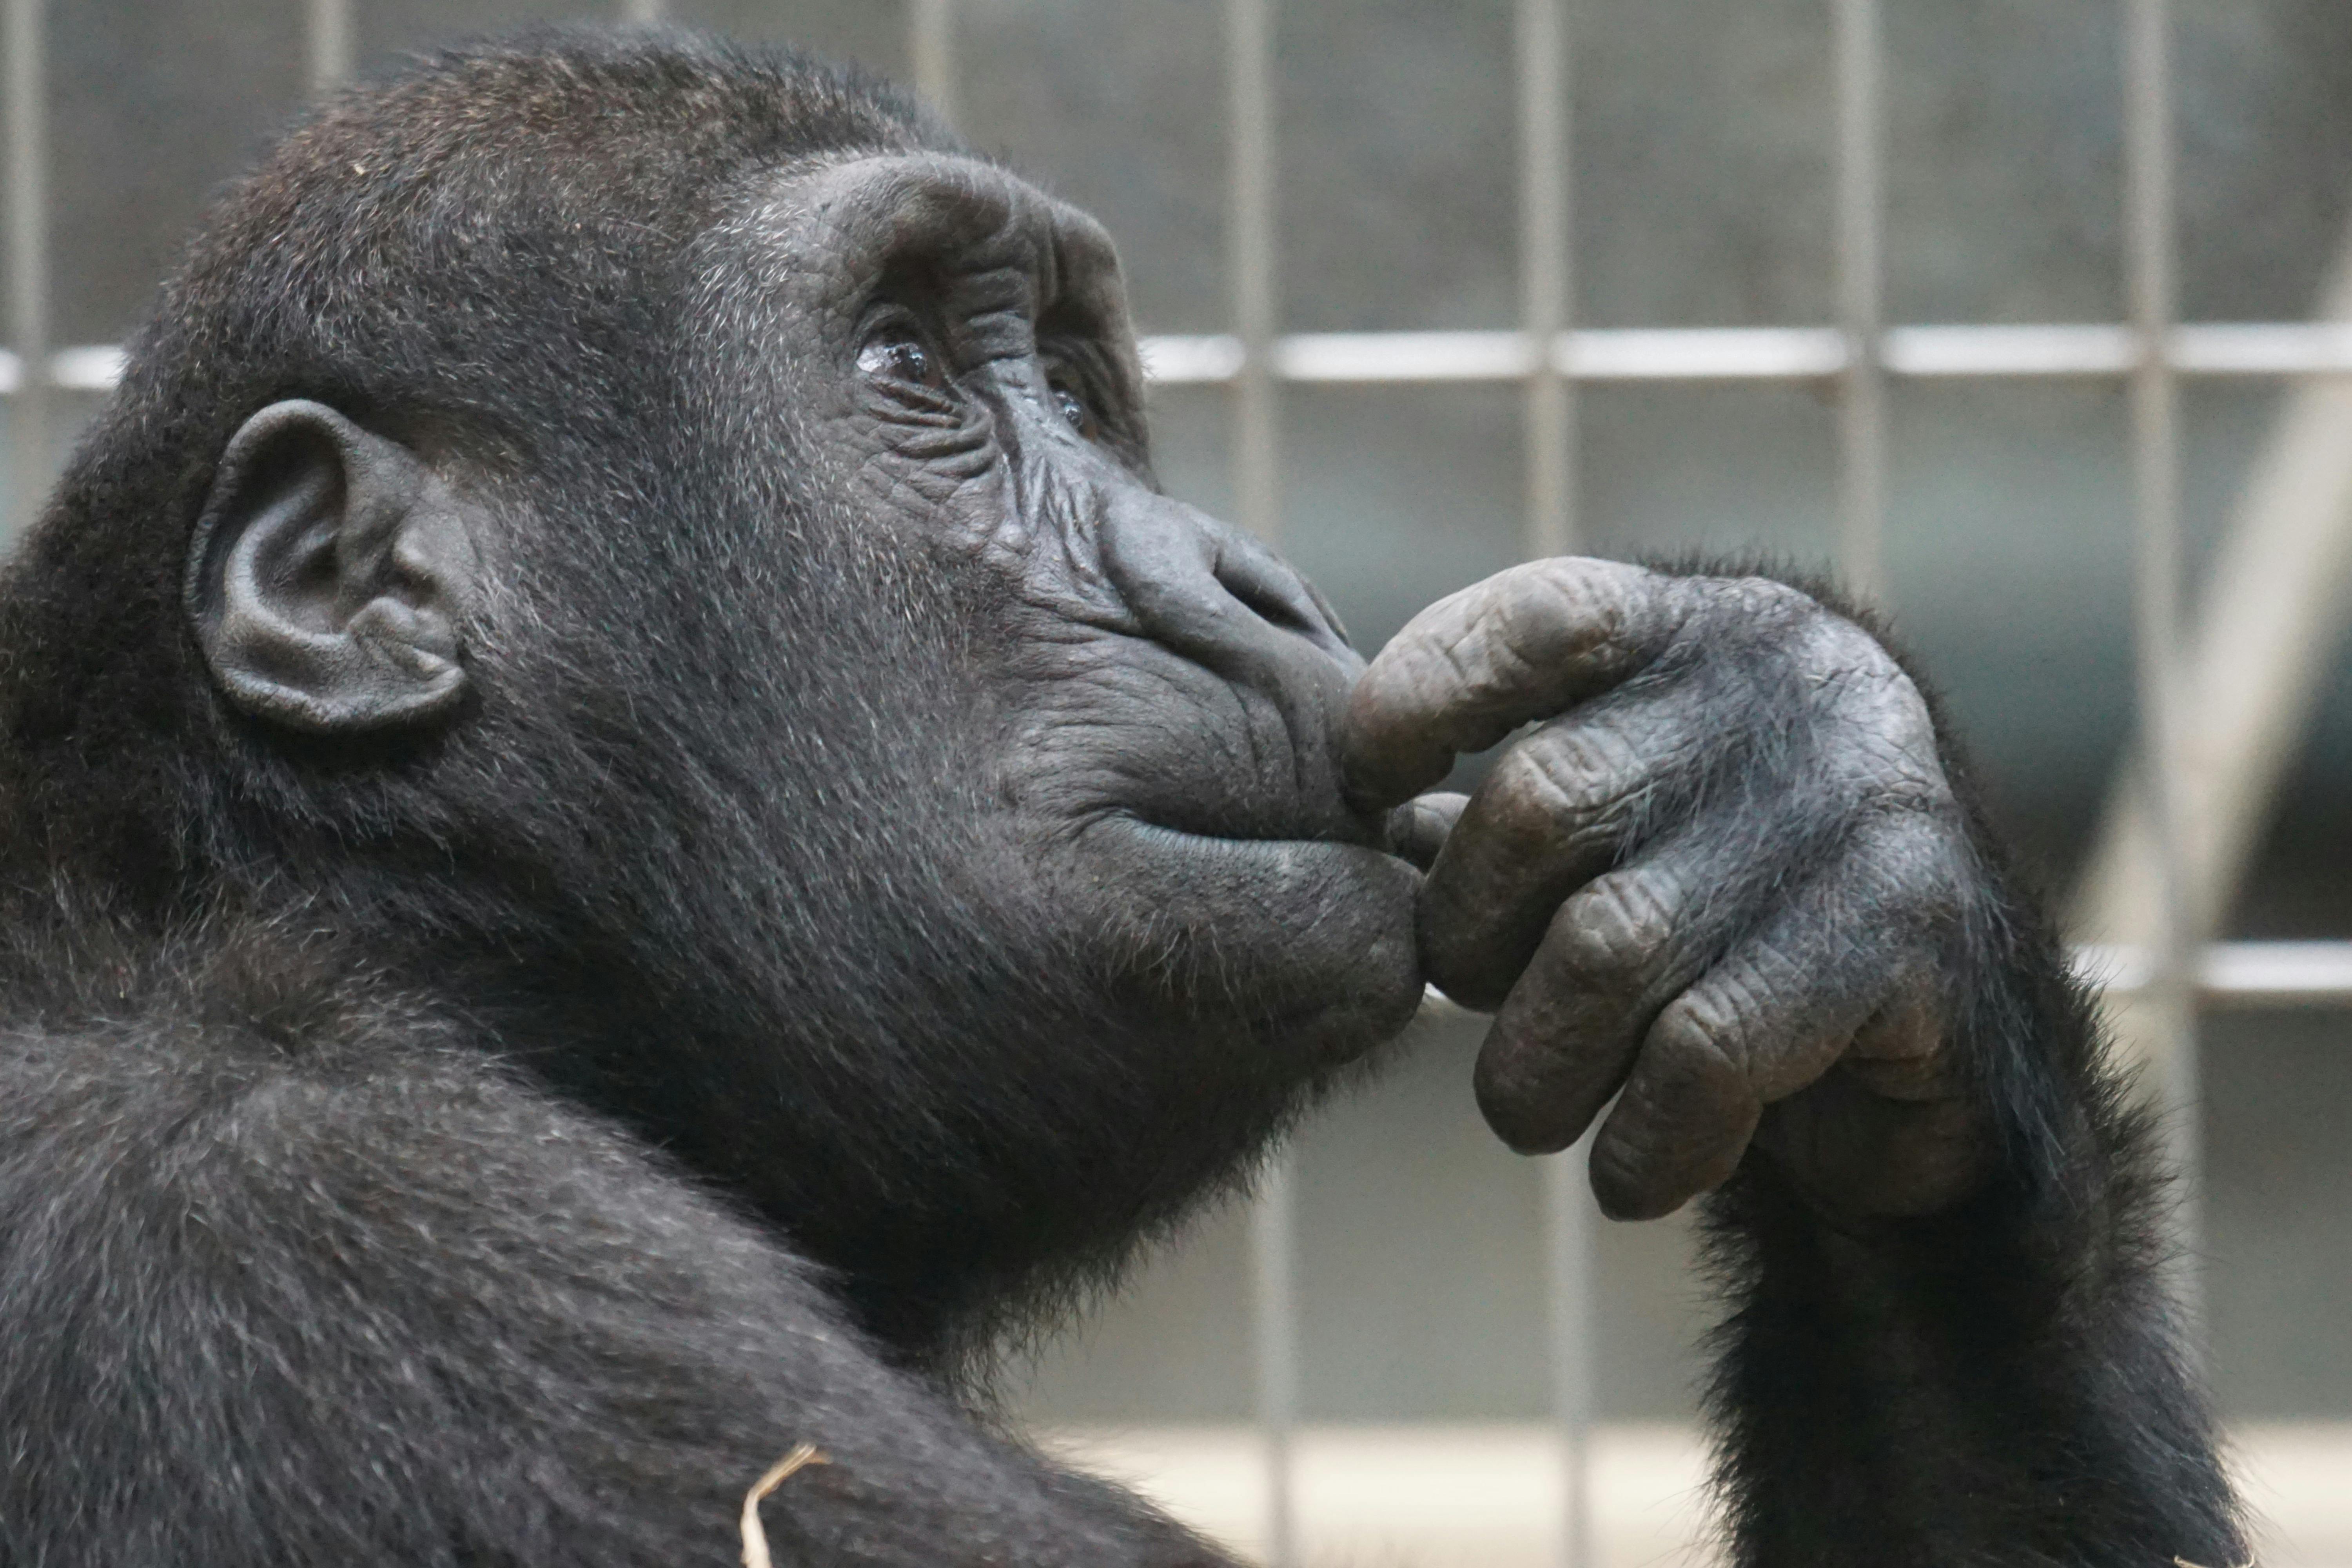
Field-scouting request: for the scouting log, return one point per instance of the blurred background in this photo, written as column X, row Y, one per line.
column 1703, row 162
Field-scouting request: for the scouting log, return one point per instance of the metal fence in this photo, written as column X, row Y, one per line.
column 1550, row 357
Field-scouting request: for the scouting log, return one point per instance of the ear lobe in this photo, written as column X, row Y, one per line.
column 328, row 577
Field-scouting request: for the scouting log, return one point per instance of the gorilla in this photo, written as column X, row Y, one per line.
column 632, row 831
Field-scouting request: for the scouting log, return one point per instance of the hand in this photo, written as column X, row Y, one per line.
column 1723, row 879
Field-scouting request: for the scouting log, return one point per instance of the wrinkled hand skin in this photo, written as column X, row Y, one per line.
column 1719, row 880
column 1725, row 877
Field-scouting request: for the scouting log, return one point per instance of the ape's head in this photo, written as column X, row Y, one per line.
column 656, row 547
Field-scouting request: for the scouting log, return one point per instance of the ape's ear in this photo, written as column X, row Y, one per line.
column 329, row 574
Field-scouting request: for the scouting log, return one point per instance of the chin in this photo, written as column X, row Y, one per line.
column 1305, row 945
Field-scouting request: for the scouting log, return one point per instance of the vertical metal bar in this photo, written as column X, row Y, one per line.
column 1250, row 275
column 930, row 47
column 1274, row 1315
column 1860, row 203
column 1547, row 300
column 28, row 256
column 1545, row 273
column 1250, row 263
column 327, row 40
column 1568, row 1327
column 2168, row 1011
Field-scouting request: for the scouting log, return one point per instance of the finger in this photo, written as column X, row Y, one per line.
column 1465, row 672
column 1765, row 1021
column 1565, row 1036
column 1559, row 809
column 1418, row 829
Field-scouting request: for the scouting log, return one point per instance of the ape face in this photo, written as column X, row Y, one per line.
column 829, row 749
column 1149, row 698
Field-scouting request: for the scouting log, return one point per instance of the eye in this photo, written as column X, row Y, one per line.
column 892, row 352
column 1073, row 407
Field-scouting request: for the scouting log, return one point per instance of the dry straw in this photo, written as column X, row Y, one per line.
column 755, row 1538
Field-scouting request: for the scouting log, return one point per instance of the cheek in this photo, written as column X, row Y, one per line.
column 948, row 486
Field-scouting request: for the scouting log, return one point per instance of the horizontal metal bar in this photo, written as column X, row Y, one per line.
column 1766, row 353
column 2011, row 350
column 94, row 367
column 2243, row 974
column 1403, row 356
column 1647, row 353
column 1702, row 353
column 2229, row 975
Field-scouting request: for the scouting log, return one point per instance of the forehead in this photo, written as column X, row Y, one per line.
column 856, row 219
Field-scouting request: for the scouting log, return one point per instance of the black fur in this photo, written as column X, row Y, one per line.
column 2004, row 1383
column 846, row 909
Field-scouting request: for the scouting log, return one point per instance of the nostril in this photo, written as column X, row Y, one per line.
column 1271, row 607
column 1271, row 592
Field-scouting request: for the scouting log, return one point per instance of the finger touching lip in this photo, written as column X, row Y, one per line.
column 1525, row 644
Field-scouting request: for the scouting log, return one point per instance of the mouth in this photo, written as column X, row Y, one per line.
column 1310, row 937
column 1297, row 822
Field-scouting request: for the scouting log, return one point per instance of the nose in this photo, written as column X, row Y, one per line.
column 1208, row 591
column 1210, row 594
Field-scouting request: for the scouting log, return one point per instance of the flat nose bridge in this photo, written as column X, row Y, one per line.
column 1208, row 591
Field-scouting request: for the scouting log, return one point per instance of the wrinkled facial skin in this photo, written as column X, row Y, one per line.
column 1153, row 697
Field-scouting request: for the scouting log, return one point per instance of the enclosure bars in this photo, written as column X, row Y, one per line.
column 1250, row 275
column 326, row 47
column 2151, row 351
column 2165, row 1016
column 1861, row 217
column 1547, row 296
column 28, row 256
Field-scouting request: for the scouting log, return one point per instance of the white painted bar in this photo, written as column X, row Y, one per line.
column 1703, row 353
column 2263, row 348
column 2217, row 349
column 2240, row 975
column 1999, row 351
column 1404, row 356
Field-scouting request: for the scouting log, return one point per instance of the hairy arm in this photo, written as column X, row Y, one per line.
column 1727, row 893
column 351, row 1297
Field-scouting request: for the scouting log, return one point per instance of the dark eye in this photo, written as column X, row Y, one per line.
column 894, row 352
column 1073, row 407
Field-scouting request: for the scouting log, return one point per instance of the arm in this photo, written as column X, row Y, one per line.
column 1727, row 892
column 360, row 1300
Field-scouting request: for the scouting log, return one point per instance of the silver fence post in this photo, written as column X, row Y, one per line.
column 2166, row 1011
column 1861, row 218
column 326, row 41
column 1545, row 270
column 1569, row 1330
column 28, row 256
column 1250, row 265
column 1274, row 1320
column 1250, row 275
column 931, row 53
column 1546, row 300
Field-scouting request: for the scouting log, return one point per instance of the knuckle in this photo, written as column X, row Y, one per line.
column 1617, row 927
column 1530, row 796
column 1571, row 774
column 1592, row 600
column 1697, row 1040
